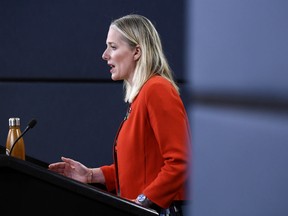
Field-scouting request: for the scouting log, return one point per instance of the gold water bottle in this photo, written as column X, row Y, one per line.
column 13, row 147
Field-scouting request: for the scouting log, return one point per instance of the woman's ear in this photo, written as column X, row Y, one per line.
column 138, row 53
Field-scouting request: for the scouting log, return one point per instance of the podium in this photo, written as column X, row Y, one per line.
column 30, row 188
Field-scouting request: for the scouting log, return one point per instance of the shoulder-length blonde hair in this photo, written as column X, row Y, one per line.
column 138, row 30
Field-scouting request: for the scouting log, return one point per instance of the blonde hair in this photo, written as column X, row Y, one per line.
column 138, row 30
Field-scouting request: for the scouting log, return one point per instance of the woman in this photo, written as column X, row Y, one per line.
column 152, row 144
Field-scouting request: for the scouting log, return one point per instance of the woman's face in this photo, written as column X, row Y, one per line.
column 120, row 56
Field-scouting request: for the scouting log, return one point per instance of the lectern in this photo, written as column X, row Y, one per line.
column 32, row 189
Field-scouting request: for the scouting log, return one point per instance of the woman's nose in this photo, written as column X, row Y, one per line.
column 104, row 55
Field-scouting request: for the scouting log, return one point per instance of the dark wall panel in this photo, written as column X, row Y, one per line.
column 65, row 39
column 76, row 120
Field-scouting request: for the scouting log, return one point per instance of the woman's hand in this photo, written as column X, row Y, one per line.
column 72, row 169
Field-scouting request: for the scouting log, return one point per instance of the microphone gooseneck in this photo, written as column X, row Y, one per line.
column 31, row 124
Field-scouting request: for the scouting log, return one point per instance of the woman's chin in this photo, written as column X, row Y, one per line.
column 114, row 78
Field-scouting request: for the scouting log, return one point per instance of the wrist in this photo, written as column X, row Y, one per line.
column 143, row 200
column 90, row 176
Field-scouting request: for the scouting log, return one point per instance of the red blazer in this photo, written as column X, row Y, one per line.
column 152, row 147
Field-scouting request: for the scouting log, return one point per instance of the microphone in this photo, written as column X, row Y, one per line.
column 31, row 124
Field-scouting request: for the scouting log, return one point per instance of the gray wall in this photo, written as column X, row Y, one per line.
column 238, row 75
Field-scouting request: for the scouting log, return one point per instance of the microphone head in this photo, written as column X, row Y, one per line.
column 32, row 123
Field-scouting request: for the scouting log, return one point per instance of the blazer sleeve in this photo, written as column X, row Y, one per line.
column 109, row 175
column 170, row 124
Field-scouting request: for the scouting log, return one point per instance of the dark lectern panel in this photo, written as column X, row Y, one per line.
column 31, row 189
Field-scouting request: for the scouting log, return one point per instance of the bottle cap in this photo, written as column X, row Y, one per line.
column 14, row 121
